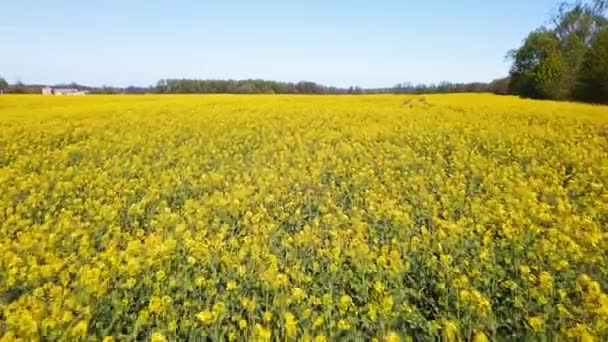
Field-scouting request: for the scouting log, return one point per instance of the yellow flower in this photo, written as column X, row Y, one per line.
column 267, row 316
column 581, row 333
column 143, row 316
column 343, row 325
column 345, row 303
column 480, row 337
column 155, row 305
column 261, row 333
column 218, row 308
column 524, row 270
column 483, row 304
column 378, row 287
column 465, row 295
column 562, row 264
column 320, row 338
column 587, row 337
column 372, row 313
column 158, row 337
column 450, row 331
column 242, row 324
column 231, row 285
column 248, row 304
column 291, row 325
column 131, row 282
column 387, row 304
column 536, row 322
column 81, row 328
column 545, row 280
column 298, row 294
column 172, row 325
column 200, row 281
column 206, row 317
column 317, row 323
column 391, row 336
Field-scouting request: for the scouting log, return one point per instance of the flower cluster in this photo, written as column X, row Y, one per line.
column 385, row 218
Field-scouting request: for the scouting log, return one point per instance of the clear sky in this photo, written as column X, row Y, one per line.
column 358, row 42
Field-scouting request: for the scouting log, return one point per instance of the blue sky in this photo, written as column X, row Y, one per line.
column 359, row 42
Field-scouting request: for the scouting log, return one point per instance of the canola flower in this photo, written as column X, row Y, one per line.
column 388, row 218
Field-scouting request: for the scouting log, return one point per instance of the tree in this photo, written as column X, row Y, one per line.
column 548, row 64
column 576, row 25
column 593, row 76
column 539, row 68
column 581, row 20
column 500, row 86
column 3, row 85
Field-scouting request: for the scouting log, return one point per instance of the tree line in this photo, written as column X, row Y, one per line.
column 195, row 86
column 445, row 87
column 251, row 86
column 188, row 86
column 567, row 60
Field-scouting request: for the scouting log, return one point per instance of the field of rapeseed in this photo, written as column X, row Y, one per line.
column 389, row 218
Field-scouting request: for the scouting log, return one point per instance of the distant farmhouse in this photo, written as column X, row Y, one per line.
column 62, row 91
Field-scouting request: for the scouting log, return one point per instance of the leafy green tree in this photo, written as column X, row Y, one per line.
column 576, row 25
column 553, row 77
column 539, row 68
column 3, row 85
column 500, row 86
column 593, row 75
column 580, row 20
column 548, row 64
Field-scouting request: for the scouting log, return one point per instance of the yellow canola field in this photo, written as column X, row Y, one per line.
column 458, row 217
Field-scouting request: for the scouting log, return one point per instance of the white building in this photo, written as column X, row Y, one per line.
column 62, row 91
